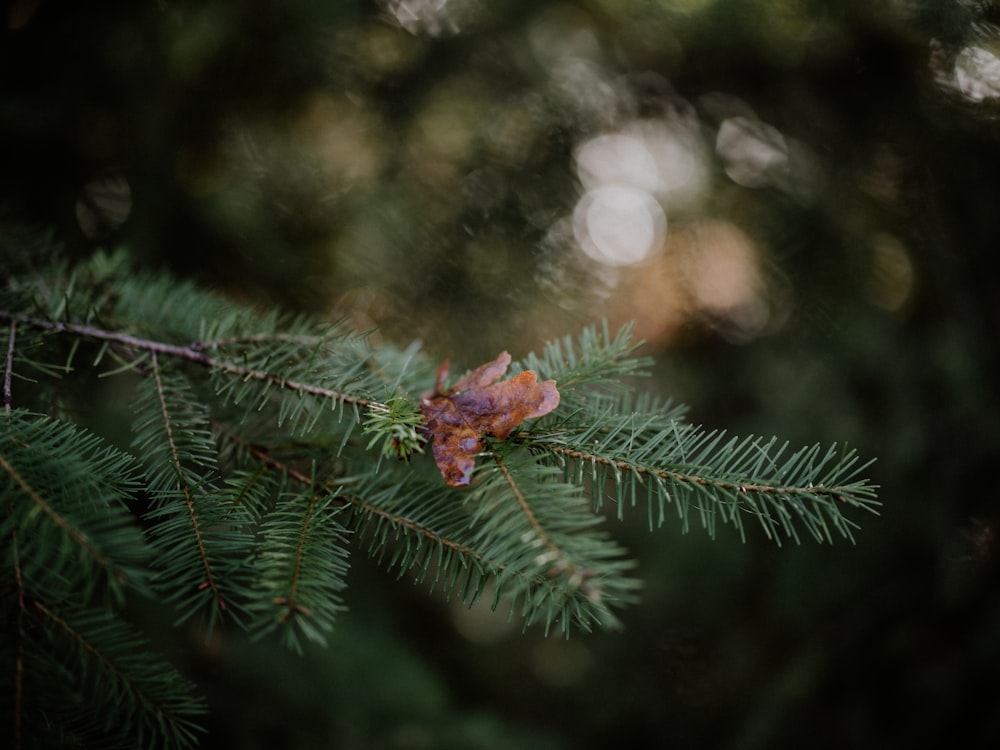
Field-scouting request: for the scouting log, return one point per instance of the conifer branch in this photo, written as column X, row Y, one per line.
column 595, row 361
column 8, row 370
column 581, row 575
column 554, row 552
column 692, row 478
column 547, row 581
column 184, row 484
column 148, row 698
column 409, row 525
column 18, row 688
column 290, row 602
column 65, row 490
column 193, row 353
column 77, row 535
column 361, row 506
column 676, row 462
column 303, row 561
column 555, row 561
column 230, row 533
column 201, row 536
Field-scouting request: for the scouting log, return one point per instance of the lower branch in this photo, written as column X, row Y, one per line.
column 262, row 455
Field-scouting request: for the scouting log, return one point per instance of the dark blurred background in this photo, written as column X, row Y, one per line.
column 797, row 201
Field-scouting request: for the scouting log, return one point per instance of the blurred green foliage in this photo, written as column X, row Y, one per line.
column 410, row 165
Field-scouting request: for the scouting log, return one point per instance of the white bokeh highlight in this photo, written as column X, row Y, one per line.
column 632, row 179
column 618, row 224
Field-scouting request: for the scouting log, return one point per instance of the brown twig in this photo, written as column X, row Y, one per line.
column 191, row 353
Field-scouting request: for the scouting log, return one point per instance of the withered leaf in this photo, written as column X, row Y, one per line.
column 476, row 406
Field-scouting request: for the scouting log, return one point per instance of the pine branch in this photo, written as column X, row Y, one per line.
column 302, row 552
column 381, row 512
column 72, row 541
column 570, row 573
column 458, row 548
column 201, row 543
column 303, row 556
column 644, row 449
column 192, row 353
column 17, row 687
column 593, row 364
column 395, row 427
column 267, row 445
column 127, row 692
column 8, row 370
column 66, row 491
column 525, row 522
column 563, row 572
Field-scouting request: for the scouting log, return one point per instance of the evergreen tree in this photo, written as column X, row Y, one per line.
column 266, row 450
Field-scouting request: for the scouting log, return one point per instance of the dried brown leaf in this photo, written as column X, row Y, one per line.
column 476, row 406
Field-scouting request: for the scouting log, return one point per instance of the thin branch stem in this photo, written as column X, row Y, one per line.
column 561, row 562
column 191, row 353
column 289, row 601
column 182, row 481
column 8, row 371
column 817, row 491
column 561, row 565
